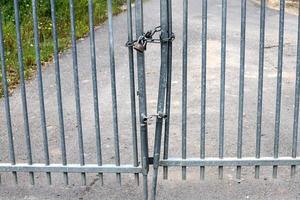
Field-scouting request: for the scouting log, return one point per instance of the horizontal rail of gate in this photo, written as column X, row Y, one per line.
column 70, row 168
column 245, row 161
column 65, row 167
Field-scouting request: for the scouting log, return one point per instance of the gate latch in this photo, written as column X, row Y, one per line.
column 140, row 44
column 147, row 119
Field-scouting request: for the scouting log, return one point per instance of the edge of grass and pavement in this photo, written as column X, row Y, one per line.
column 45, row 32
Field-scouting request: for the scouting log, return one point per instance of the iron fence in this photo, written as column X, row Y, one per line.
column 65, row 167
column 163, row 112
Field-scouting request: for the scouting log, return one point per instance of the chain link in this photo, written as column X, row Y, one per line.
column 148, row 38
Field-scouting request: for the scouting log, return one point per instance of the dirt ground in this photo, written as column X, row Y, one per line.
column 291, row 5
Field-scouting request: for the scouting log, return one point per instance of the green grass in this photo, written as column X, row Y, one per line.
column 45, row 30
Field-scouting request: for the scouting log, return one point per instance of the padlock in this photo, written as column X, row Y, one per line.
column 140, row 46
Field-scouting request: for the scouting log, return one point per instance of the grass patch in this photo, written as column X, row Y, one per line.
column 45, row 30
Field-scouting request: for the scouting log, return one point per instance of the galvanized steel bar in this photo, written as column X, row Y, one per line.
column 70, row 168
column 11, row 148
column 95, row 87
column 113, row 87
column 222, row 84
column 168, row 94
column 279, row 83
column 132, row 89
column 40, row 86
column 241, row 85
column 76, row 88
column 184, row 83
column 296, row 103
column 58, row 91
column 23, row 89
column 161, row 91
column 139, row 23
column 228, row 161
column 203, row 85
column 260, row 82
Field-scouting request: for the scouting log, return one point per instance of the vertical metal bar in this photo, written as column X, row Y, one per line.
column 6, row 101
column 77, row 92
column 260, row 82
column 1, row 58
column 161, row 92
column 296, row 105
column 241, row 85
column 203, row 84
column 142, row 97
column 40, row 86
column 168, row 94
column 222, row 83
column 113, row 87
column 132, row 90
column 58, row 92
column 279, row 82
column 184, row 83
column 23, row 89
column 95, row 88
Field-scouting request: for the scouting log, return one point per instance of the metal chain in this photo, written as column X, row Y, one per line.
column 148, row 38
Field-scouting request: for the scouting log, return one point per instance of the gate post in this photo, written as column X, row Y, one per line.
column 168, row 92
column 142, row 97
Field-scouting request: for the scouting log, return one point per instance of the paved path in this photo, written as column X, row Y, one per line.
column 174, row 188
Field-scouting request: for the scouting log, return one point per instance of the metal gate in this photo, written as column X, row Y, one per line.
column 100, row 166
column 164, row 94
column 163, row 114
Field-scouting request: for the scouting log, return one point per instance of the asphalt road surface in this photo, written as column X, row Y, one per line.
column 211, row 188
